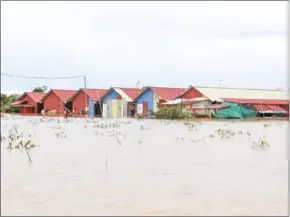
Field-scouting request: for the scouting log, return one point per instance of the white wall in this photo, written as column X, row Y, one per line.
column 140, row 109
column 201, row 103
column 104, row 110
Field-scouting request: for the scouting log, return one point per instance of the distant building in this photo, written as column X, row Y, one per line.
column 149, row 100
column 56, row 100
column 90, row 98
column 262, row 101
column 29, row 103
column 118, row 102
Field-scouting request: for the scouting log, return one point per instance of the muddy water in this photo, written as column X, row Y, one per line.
column 164, row 169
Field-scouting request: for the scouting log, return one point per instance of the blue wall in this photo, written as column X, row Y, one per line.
column 112, row 95
column 146, row 96
column 91, row 108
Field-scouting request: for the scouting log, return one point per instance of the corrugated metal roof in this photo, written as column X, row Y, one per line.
column 128, row 93
column 262, row 108
column 18, row 103
column 35, row 96
column 131, row 92
column 64, row 95
column 168, row 93
column 216, row 93
column 94, row 94
column 277, row 108
column 258, row 101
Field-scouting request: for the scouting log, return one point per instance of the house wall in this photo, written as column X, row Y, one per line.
column 53, row 102
column 79, row 102
column 201, row 103
column 114, row 106
column 27, row 110
column 146, row 96
column 112, row 95
column 151, row 98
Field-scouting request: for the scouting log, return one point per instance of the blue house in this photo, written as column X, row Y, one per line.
column 147, row 101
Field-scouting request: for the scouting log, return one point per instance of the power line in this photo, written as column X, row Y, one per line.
column 40, row 77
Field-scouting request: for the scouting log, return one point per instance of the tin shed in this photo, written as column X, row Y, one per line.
column 117, row 102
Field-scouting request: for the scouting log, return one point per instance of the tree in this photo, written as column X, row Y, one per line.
column 40, row 89
column 6, row 101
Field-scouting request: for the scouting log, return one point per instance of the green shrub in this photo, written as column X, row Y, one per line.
column 172, row 113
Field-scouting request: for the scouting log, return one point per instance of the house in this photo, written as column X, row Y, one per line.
column 29, row 103
column 90, row 98
column 149, row 100
column 56, row 100
column 261, row 101
column 118, row 102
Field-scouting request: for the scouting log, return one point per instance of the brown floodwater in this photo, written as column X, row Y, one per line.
column 161, row 169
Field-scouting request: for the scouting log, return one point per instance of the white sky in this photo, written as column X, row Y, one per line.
column 158, row 43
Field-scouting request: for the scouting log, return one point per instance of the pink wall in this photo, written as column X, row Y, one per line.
column 53, row 102
column 79, row 101
column 28, row 110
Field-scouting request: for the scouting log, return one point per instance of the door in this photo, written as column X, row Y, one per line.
column 145, row 109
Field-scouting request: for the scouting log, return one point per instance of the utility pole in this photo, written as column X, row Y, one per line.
column 220, row 83
column 85, row 90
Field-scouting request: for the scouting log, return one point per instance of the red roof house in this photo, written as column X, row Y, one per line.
column 29, row 102
column 81, row 98
column 57, row 99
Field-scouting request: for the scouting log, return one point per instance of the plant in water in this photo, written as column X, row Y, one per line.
column 60, row 133
column 140, row 117
column 261, row 143
column 16, row 141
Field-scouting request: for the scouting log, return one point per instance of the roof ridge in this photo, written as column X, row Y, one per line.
column 238, row 88
column 170, row 87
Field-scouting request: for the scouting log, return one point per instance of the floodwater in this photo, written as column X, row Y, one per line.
column 161, row 169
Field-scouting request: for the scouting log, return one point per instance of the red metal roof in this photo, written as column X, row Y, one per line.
column 276, row 108
column 35, row 96
column 131, row 92
column 262, row 108
column 96, row 94
column 168, row 93
column 257, row 101
column 18, row 102
column 64, row 95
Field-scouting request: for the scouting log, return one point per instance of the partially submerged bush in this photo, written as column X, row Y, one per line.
column 172, row 113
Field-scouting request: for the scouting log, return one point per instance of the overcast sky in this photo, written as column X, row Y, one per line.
column 157, row 43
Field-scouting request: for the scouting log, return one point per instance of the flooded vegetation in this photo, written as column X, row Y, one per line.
column 56, row 166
